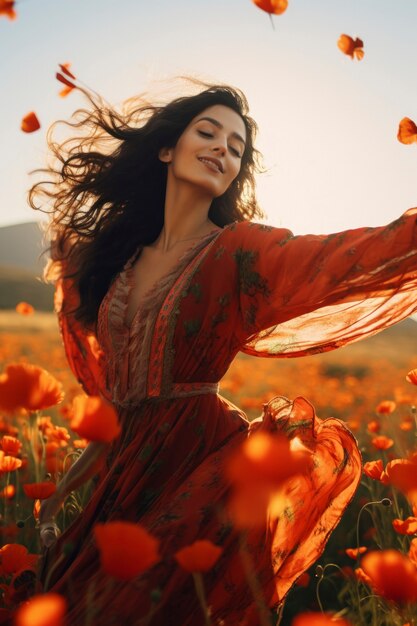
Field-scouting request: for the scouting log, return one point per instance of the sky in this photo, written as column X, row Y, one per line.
column 327, row 124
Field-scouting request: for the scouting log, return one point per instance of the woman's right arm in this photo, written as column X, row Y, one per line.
column 86, row 466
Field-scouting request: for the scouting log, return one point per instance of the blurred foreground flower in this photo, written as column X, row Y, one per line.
column 94, row 419
column 407, row 133
column 275, row 7
column 126, row 549
column 46, row 609
column 29, row 387
column 30, row 123
column 198, row 557
column 351, row 47
column 257, row 471
column 24, row 308
column 7, row 9
column 392, row 575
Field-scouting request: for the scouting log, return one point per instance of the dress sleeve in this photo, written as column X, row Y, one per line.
column 81, row 346
column 300, row 295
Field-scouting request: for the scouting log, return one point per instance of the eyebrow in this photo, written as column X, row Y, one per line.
column 217, row 123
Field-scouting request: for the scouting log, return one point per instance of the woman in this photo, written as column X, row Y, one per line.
column 162, row 278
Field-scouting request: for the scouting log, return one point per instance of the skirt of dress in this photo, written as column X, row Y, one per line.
column 166, row 472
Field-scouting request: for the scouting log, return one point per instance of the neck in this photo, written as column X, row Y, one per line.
column 185, row 217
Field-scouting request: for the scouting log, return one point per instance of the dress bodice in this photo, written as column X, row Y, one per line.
column 127, row 349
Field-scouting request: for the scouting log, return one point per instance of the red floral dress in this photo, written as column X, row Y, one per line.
column 250, row 288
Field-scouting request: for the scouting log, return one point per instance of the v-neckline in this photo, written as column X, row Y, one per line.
column 162, row 282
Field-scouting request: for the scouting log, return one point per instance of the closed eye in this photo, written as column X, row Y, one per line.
column 233, row 150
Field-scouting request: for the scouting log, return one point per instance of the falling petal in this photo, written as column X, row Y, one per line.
column 407, row 133
column 30, row 123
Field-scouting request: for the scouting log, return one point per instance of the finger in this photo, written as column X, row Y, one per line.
column 48, row 537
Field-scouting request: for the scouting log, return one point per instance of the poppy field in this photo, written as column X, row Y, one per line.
column 368, row 572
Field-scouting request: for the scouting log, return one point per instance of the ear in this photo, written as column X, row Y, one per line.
column 165, row 155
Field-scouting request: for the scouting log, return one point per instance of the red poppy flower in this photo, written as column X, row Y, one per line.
column 8, row 493
column 374, row 426
column 14, row 557
column 412, row 552
column 24, row 308
column 405, row 527
column 382, row 442
column 407, row 133
column 386, row 407
column 273, row 7
column 353, row 553
column 351, row 47
column 198, row 557
column 47, row 609
column 373, row 469
column 30, row 123
column 126, row 549
column 10, row 445
column 58, row 434
column 402, row 473
column 393, row 575
column 94, row 419
column 29, row 387
column 39, row 491
column 362, row 576
column 9, row 463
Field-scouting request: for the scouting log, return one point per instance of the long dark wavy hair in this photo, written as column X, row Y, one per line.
column 106, row 188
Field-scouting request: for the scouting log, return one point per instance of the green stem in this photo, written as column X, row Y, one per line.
column 248, row 567
column 199, row 587
column 91, row 608
column 34, row 435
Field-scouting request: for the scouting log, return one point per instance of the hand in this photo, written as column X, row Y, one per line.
column 49, row 531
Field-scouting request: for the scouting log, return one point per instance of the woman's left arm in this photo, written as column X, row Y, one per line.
column 304, row 294
column 81, row 346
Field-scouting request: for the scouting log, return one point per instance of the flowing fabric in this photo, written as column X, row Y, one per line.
column 251, row 288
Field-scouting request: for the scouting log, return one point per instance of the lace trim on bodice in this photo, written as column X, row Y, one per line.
column 127, row 348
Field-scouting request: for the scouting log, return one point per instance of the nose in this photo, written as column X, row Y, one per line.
column 220, row 147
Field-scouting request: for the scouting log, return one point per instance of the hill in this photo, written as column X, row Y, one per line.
column 21, row 267
column 21, row 246
column 17, row 285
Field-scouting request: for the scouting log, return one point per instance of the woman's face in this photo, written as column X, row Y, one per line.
column 209, row 152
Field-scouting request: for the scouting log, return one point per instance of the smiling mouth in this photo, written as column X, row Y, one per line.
column 210, row 164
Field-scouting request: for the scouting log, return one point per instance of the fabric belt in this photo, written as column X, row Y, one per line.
column 182, row 390
column 177, row 390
